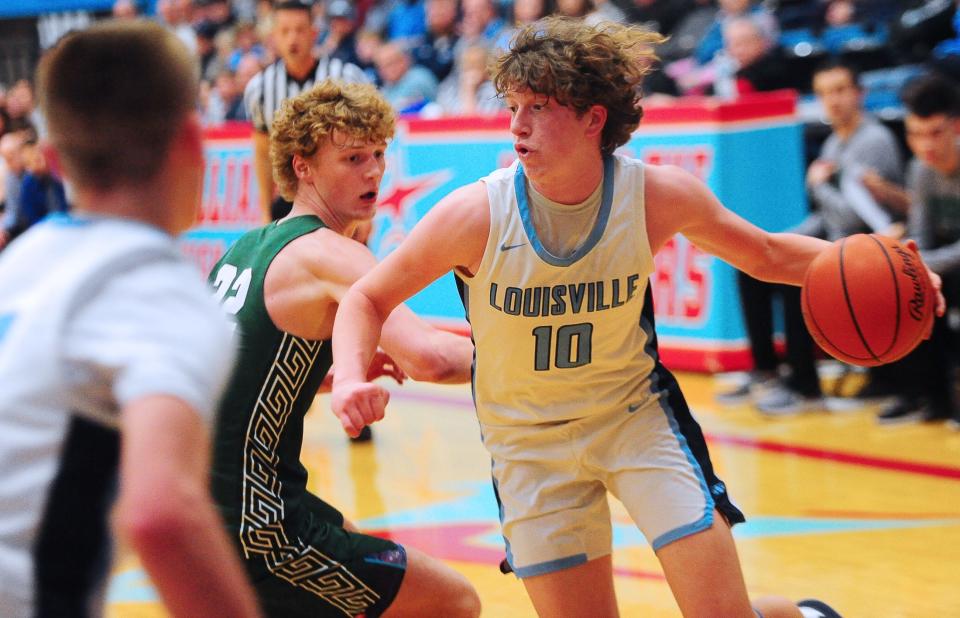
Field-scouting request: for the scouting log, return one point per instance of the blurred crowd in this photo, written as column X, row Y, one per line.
column 872, row 159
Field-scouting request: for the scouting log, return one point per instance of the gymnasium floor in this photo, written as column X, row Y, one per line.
column 839, row 508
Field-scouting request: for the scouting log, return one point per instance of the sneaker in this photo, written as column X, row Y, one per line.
column 782, row 401
column 812, row 608
column 742, row 392
column 953, row 424
column 902, row 410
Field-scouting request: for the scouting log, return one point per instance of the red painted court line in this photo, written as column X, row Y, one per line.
column 854, row 459
column 868, row 461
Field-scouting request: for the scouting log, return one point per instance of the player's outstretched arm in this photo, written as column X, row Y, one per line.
column 452, row 235
column 677, row 202
column 165, row 512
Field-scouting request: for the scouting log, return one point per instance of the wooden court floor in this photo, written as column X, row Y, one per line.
column 863, row 516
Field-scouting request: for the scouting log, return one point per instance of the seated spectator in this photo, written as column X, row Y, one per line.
column 125, row 9
column 591, row 11
column 468, row 91
column 173, row 15
column 480, row 24
column 41, row 193
column 407, row 86
column 225, row 102
column 436, row 52
column 368, row 43
column 21, row 107
column 751, row 60
column 712, row 41
column 210, row 62
column 932, row 122
column 11, row 146
column 245, row 41
column 687, row 34
column 340, row 39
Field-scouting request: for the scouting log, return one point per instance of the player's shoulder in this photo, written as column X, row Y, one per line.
column 673, row 188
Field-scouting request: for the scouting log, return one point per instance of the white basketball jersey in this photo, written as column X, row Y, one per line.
column 561, row 338
column 66, row 281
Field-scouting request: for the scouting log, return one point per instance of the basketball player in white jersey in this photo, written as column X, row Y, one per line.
column 553, row 256
column 112, row 352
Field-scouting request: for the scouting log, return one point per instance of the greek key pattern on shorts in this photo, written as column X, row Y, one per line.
column 261, row 528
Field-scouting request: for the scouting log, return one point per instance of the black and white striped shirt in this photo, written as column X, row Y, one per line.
column 273, row 85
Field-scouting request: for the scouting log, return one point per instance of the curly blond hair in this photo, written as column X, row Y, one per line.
column 581, row 65
column 331, row 110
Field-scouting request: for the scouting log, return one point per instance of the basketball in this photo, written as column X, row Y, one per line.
column 867, row 300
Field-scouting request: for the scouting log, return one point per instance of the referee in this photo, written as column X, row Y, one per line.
column 298, row 69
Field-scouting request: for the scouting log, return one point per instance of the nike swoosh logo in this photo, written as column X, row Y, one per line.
column 633, row 407
column 506, row 247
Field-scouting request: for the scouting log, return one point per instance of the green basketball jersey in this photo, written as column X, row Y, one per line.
column 258, row 480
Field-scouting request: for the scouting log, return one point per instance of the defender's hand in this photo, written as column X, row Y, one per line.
column 359, row 404
column 935, row 281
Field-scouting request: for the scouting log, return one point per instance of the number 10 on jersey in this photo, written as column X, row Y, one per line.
column 572, row 346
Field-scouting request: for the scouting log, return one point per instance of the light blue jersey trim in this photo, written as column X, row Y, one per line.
column 550, row 566
column 523, row 204
column 5, row 321
column 62, row 218
column 707, row 519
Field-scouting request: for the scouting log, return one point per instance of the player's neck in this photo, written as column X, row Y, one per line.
column 135, row 204
column 562, row 186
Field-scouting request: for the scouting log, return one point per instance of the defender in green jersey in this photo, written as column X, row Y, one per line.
column 282, row 284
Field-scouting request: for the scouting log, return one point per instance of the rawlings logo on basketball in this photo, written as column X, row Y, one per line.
column 910, row 270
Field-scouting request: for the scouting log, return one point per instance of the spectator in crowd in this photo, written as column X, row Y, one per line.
column 436, row 52
column 41, row 193
column 340, row 39
column 295, row 71
column 245, row 42
column 21, row 106
column 225, row 101
column 480, row 24
column 407, row 86
column 524, row 12
column 125, row 9
column 368, row 42
column 925, row 376
column 174, row 15
column 469, row 91
column 712, row 41
column 210, row 62
column 750, row 62
column 591, row 11
column 11, row 147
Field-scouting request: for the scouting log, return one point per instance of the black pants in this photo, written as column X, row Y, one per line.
column 927, row 372
column 756, row 297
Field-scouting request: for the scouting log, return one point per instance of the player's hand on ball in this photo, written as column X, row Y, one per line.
column 359, row 404
column 935, row 281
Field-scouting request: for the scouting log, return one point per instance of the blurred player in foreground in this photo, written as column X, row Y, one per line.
column 112, row 354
